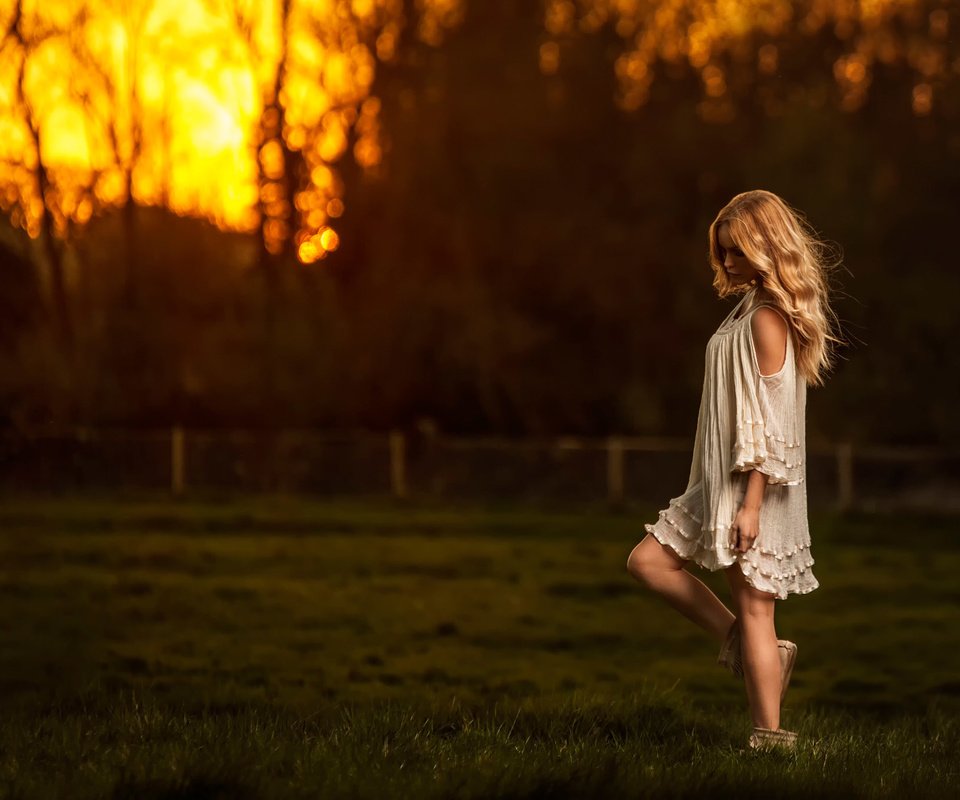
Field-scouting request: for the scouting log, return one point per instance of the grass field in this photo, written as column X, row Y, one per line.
column 280, row 647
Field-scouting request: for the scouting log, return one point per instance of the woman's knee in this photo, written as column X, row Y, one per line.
column 650, row 558
column 755, row 605
column 756, row 611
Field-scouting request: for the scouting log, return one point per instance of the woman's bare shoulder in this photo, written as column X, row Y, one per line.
column 770, row 331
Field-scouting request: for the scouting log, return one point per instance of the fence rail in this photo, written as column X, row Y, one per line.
column 618, row 469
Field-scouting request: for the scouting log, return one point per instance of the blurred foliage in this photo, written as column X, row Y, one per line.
column 529, row 256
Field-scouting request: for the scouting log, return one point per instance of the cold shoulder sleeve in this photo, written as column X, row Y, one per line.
column 767, row 409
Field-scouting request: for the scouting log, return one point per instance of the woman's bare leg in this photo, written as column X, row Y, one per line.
column 662, row 570
column 758, row 642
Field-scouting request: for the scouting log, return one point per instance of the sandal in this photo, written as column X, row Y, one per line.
column 769, row 739
column 730, row 656
column 788, row 657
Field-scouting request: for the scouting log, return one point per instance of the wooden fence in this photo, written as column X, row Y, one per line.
column 616, row 468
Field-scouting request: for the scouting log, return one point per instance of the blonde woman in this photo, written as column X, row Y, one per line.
column 745, row 506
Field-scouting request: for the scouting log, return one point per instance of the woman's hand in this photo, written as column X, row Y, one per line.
column 745, row 528
column 746, row 524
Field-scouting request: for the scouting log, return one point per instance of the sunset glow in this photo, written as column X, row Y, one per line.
column 178, row 100
column 704, row 34
column 239, row 110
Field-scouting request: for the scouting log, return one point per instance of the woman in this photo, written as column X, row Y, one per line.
column 745, row 506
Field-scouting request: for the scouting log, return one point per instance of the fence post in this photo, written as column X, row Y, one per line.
column 398, row 470
column 177, row 460
column 615, row 471
column 845, row 476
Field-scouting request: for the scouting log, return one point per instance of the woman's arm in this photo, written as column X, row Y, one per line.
column 756, row 483
column 746, row 524
column 769, row 331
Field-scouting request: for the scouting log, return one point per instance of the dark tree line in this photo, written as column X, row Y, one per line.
column 529, row 259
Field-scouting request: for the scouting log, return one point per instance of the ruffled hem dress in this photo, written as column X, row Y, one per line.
column 747, row 421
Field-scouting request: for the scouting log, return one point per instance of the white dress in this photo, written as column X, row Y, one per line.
column 746, row 421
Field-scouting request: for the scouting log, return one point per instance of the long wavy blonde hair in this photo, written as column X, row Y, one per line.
column 792, row 264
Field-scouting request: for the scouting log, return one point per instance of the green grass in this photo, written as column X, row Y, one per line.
column 279, row 647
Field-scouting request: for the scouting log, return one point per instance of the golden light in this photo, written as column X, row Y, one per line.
column 271, row 159
column 714, row 81
column 702, row 33
column 316, row 217
column 559, row 16
column 922, row 99
column 387, row 45
column 187, row 101
column 939, row 23
column 329, row 239
column 367, row 153
column 70, row 147
column 768, row 59
column 549, row 58
column 322, row 177
column 308, row 252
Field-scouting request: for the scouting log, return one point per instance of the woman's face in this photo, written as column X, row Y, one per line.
column 735, row 263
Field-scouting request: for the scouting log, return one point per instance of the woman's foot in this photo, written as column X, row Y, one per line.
column 730, row 655
column 788, row 657
column 769, row 739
